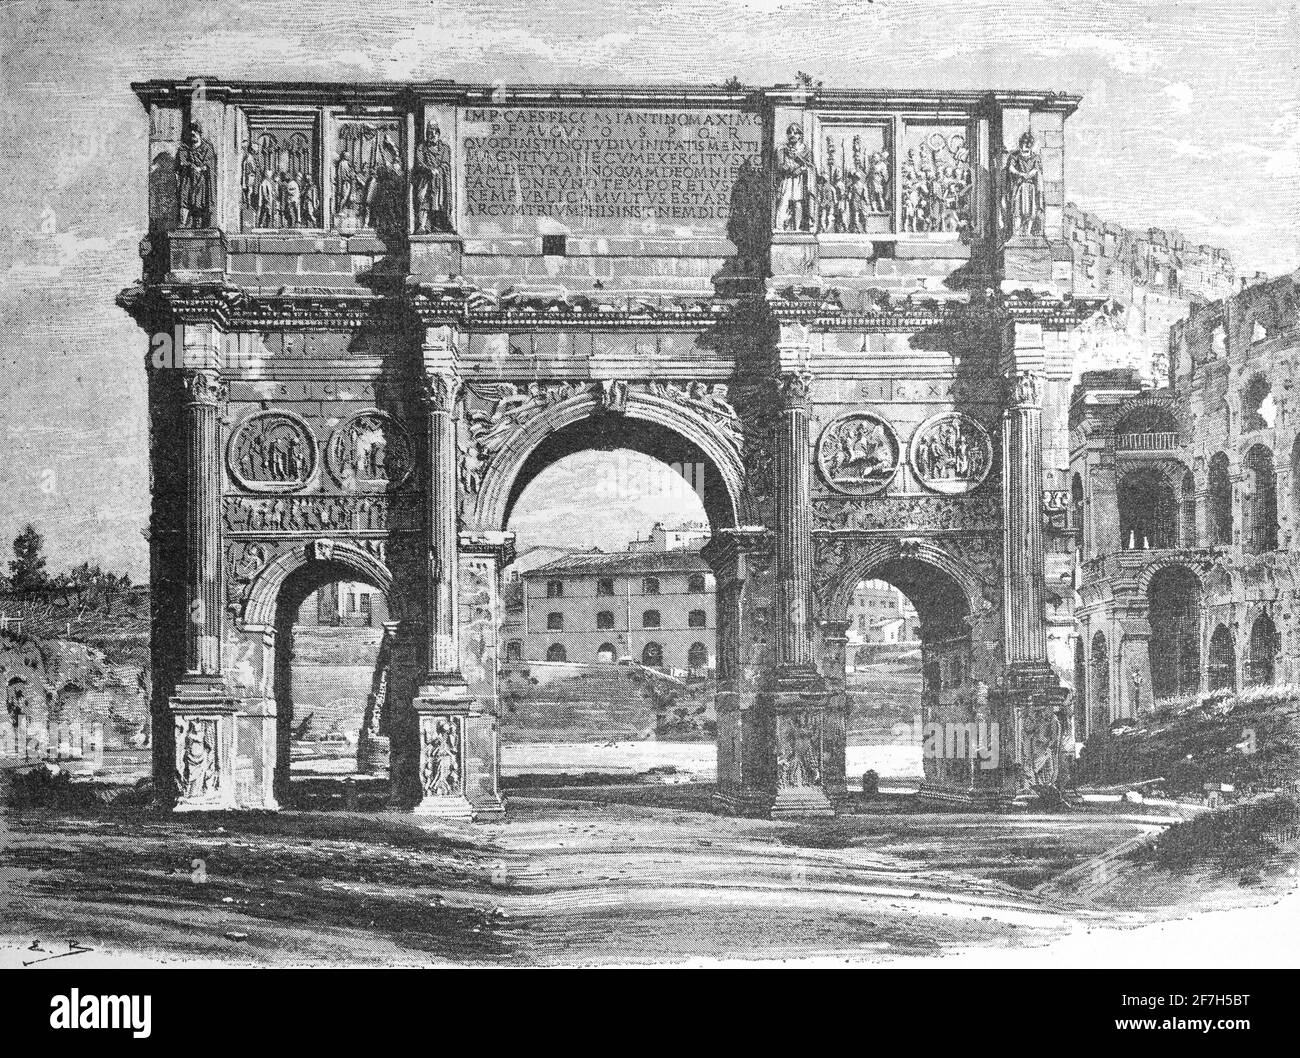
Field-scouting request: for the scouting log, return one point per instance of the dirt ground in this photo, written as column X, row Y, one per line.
column 625, row 874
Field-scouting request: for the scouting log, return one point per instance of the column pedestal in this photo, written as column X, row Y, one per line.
column 204, row 722
column 443, row 714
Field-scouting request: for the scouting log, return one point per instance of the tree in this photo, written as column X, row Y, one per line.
column 27, row 568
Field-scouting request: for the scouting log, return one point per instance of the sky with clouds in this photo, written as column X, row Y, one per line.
column 1190, row 120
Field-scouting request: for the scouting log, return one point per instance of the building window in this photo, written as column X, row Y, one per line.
column 1148, row 511
column 555, row 622
column 606, row 654
column 1174, row 613
column 1100, row 680
column 1258, row 410
column 1261, row 511
column 650, row 619
column 697, row 657
column 555, row 589
column 696, row 584
column 605, row 619
column 556, row 652
column 1189, row 510
column 1223, row 660
column 697, row 619
column 1263, row 650
column 652, row 655
column 1220, row 499
column 514, row 650
column 650, row 586
column 605, row 586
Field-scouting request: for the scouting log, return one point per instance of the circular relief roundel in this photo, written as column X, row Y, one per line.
column 858, row 453
column 370, row 451
column 272, row 451
column 951, row 454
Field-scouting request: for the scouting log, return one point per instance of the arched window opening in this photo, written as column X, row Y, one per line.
column 1077, row 703
column 650, row 619
column 650, row 586
column 1076, row 505
column 1263, row 650
column 653, row 655
column 1099, row 677
column 1188, row 526
column 1258, row 411
column 606, row 654
column 1261, row 515
column 1220, row 501
column 556, row 652
column 1295, row 488
column 1148, row 511
column 695, row 585
column 697, row 619
column 555, row 622
column 1223, row 660
column 605, row 619
column 1174, row 611
column 515, row 650
column 697, row 657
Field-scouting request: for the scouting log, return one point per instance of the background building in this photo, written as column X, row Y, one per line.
column 880, row 613
column 1189, row 502
column 1152, row 278
column 652, row 603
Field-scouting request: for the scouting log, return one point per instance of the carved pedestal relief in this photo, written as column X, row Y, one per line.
column 198, row 777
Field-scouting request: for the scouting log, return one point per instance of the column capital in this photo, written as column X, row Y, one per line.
column 206, row 387
column 439, row 390
column 796, row 389
column 1024, row 388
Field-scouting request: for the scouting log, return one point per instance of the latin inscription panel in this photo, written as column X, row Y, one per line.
column 546, row 170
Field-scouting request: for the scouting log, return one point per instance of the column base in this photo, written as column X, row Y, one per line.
column 449, row 807
column 793, row 802
column 971, row 796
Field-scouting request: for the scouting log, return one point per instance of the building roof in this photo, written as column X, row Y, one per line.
column 624, row 563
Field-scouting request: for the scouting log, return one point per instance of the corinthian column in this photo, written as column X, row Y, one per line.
column 205, row 392
column 1022, row 487
column 443, row 704
column 439, row 390
column 794, row 525
column 203, row 715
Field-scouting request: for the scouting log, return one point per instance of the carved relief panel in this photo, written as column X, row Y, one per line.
column 279, row 171
column 369, row 175
column 951, row 454
column 370, row 451
column 273, row 451
column 858, row 454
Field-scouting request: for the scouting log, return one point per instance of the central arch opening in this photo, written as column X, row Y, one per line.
column 329, row 632
column 909, row 663
column 609, row 645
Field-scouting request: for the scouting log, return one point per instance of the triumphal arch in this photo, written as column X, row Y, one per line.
column 376, row 312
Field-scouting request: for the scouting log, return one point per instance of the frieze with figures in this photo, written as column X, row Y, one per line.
column 314, row 514
column 273, row 451
column 858, row 453
column 951, row 454
column 370, row 451
column 903, row 513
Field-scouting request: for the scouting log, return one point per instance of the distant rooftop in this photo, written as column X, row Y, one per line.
column 624, row 563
